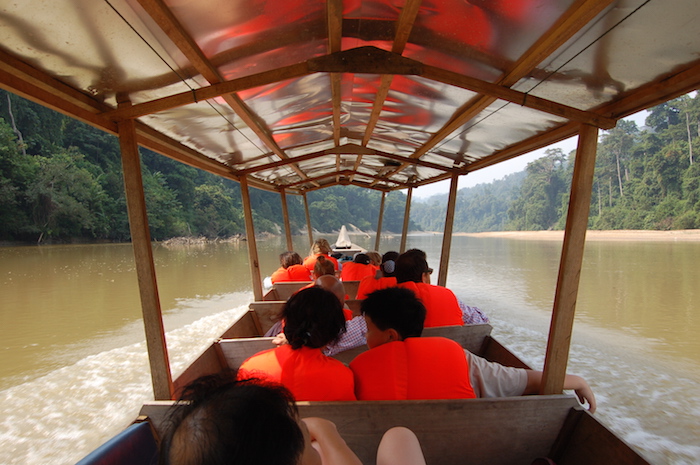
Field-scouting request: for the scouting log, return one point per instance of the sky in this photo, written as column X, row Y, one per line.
column 500, row 170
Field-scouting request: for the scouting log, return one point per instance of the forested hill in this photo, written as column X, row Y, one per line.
column 61, row 179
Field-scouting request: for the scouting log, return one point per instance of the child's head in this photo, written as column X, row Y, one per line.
column 393, row 309
column 290, row 258
column 313, row 318
column 323, row 266
column 374, row 257
column 228, row 421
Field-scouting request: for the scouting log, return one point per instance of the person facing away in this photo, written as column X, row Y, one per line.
column 386, row 322
column 291, row 269
column 222, row 421
column 313, row 318
column 358, row 268
column 399, row 363
column 441, row 304
column 320, row 248
column 384, row 277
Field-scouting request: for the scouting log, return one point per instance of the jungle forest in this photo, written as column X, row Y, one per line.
column 61, row 181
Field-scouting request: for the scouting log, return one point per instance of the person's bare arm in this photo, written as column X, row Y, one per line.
column 332, row 447
column 578, row 384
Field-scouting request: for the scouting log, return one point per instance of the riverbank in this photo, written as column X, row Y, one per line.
column 681, row 235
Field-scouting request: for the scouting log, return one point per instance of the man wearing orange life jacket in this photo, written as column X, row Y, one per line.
column 358, row 268
column 402, row 365
column 441, row 304
column 313, row 318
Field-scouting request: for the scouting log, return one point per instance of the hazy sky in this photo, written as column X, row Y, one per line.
column 514, row 165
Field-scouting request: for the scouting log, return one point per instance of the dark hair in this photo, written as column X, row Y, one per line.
column 410, row 266
column 313, row 318
column 246, row 422
column 362, row 258
column 323, row 266
column 389, row 264
column 290, row 258
column 395, row 308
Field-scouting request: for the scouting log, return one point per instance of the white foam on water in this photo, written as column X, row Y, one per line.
column 62, row 416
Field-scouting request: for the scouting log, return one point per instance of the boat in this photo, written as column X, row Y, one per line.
column 344, row 247
column 292, row 97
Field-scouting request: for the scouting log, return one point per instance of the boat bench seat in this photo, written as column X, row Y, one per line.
column 136, row 445
column 503, row 431
column 284, row 290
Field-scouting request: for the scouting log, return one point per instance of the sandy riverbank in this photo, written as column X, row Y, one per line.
column 683, row 235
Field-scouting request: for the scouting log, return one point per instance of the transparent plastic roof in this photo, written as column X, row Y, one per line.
column 381, row 94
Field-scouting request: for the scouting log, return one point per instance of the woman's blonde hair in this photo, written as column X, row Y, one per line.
column 321, row 246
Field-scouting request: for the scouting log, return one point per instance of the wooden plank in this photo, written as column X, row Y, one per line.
column 286, row 289
column 271, row 294
column 447, row 233
column 246, row 326
column 250, row 239
column 208, row 362
column 406, row 218
column 236, row 351
column 268, row 313
column 285, row 217
column 354, row 305
column 379, row 222
column 494, row 351
column 351, row 288
column 365, row 60
column 145, row 267
column 570, row 265
column 502, row 431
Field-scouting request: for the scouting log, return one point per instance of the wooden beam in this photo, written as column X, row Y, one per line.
column 334, row 19
column 161, row 377
column 285, row 215
column 250, row 239
column 365, row 60
column 379, row 222
column 570, row 265
column 308, row 220
column 519, row 98
column 406, row 218
column 447, row 233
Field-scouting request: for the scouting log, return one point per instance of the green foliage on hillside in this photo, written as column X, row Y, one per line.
column 61, row 179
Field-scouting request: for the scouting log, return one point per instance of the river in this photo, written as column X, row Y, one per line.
column 73, row 368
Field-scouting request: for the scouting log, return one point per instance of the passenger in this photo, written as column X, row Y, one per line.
column 320, row 248
column 291, row 269
column 375, row 259
column 249, row 422
column 413, row 273
column 313, row 319
column 332, row 284
column 409, row 268
column 382, row 279
column 487, row 379
column 402, row 365
column 358, row 268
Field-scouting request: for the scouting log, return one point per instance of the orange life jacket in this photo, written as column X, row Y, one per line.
column 356, row 271
column 369, row 284
column 306, row 372
column 292, row 273
column 310, row 261
column 414, row 369
column 442, row 308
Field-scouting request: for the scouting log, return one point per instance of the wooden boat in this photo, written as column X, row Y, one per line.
column 343, row 245
column 292, row 96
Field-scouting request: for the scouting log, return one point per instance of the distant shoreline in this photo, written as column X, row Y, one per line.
column 681, row 235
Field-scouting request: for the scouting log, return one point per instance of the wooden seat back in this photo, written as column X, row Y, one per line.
column 267, row 313
column 351, row 289
column 287, row 289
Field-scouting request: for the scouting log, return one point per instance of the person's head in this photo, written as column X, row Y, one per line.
column 332, row 284
column 227, row 421
column 389, row 264
column 392, row 314
column 362, row 259
column 412, row 266
column 313, row 318
column 321, row 246
column 323, row 266
column 375, row 258
column 290, row 258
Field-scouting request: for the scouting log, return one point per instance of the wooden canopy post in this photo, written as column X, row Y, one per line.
column 308, row 220
column 285, row 215
column 145, row 268
column 570, row 265
column 447, row 233
column 406, row 217
column 379, row 222
column 250, row 238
